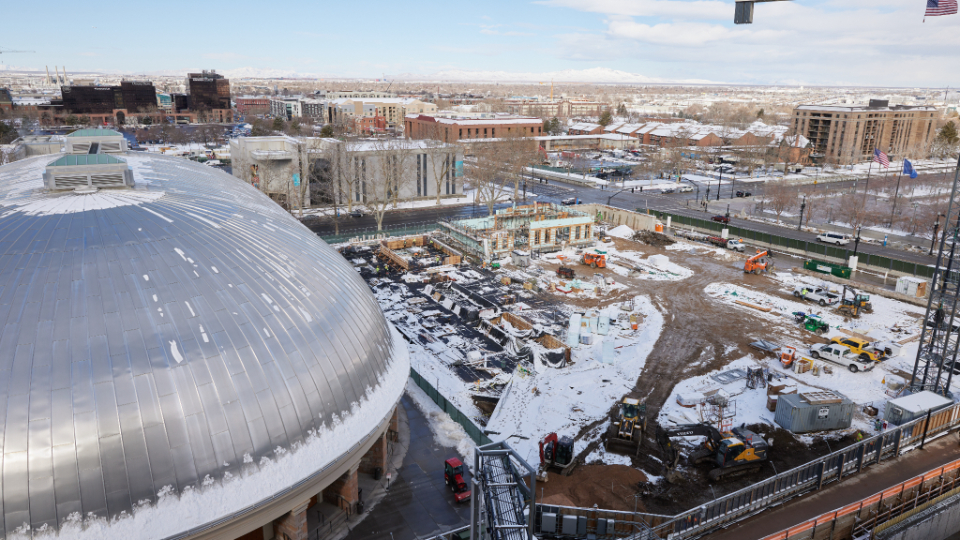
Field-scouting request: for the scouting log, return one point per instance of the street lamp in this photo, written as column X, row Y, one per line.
column 936, row 227
column 915, row 206
column 802, row 206
column 856, row 242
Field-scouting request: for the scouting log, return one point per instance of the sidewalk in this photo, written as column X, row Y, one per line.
column 850, row 490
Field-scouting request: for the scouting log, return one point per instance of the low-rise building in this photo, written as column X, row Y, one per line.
column 346, row 172
column 562, row 108
column 421, row 126
column 585, row 128
column 252, row 105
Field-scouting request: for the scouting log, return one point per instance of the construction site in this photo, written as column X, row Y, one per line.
column 638, row 370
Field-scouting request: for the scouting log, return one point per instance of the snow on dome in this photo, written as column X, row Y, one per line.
column 160, row 359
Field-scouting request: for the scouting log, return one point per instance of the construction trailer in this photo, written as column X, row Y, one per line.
column 908, row 408
column 814, row 411
column 533, row 227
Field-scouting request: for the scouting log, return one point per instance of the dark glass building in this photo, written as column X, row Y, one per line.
column 134, row 96
column 208, row 90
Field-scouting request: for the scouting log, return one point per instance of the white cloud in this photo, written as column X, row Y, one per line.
column 675, row 9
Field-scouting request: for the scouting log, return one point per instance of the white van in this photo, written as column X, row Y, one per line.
column 834, row 238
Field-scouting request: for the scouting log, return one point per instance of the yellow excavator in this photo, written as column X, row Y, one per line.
column 734, row 452
column 626, row 431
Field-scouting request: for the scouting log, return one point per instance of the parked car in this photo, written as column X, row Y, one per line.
column 833, row 238
column 356, row 213
column 569, row 200
column 721, row 219
column 744, row 194
column 860, row 347
column 816, row 294
column 668, row 190
column 840, row 355
column 684, row 189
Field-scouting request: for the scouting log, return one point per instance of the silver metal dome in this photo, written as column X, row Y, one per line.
column 155, row 336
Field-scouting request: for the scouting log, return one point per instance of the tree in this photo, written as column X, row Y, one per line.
column 854, row 210
column 278, row 124
column 260, row 127
column 948, row 133
column 486, row 173
column 779, row 196
column 70, row 120
column 7, row 133
column 518, row 152
column 441, row 157
column 390, row 176
column 605, row 118
column 326, row 131
column 760, row 114
column 622, row 110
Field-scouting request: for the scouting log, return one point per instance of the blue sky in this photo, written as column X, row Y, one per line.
column 832, row 42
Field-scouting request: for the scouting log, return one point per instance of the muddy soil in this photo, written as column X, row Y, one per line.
column 700, row 335
column 608, row 486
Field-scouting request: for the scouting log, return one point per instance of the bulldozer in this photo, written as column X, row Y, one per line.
column 626, row 431
column 594, row 258
column 735, row 452
column 853, row 307
column 761, row 262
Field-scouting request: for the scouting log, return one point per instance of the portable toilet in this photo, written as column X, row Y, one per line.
column 905, row 409
column 573, row 332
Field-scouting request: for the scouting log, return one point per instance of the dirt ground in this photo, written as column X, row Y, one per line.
column 697, row 332
column 608, row 486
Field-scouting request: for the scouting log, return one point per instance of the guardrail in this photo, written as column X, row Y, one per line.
column 810, row 477
column 812, row 249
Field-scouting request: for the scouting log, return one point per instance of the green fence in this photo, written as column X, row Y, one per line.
column 809, row 248
column 346, row 235
column 472, row 430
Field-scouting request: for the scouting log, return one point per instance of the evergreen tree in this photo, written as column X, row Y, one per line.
column 948, row 133
column 605, row 119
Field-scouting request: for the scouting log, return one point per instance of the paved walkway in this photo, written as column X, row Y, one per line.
column 850, row 490
column 418, row 503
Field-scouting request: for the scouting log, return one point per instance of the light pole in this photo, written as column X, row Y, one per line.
column 802, row 206
column 915, row 206
column 856, row 242
column 936, row 227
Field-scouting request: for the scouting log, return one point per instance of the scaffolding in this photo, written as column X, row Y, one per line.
column 501, row 500
column 937, row 355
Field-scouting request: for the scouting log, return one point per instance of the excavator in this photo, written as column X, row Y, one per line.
column 761, row 262
column 557, row 453
column 626, row 432
column 734, row 452
column 853, row 307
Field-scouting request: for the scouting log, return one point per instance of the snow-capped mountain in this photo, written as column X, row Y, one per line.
column 591, row 75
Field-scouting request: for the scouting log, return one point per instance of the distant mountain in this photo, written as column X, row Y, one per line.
column 591, row 75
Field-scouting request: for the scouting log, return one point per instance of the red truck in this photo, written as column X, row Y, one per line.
column 453, row 477
column 728, row 243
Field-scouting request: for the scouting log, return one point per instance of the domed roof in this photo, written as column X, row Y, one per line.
column 161, row 337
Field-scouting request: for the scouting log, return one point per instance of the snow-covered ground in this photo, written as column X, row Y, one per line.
column 566, row 399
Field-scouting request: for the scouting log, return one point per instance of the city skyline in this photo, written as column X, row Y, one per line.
column 821, row 42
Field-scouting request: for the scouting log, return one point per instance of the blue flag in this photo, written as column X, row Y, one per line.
column 908, row 169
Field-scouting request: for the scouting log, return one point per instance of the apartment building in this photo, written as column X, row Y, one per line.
column 252, row 105
column 421, row 126
column 846, row 134
column 556, row 108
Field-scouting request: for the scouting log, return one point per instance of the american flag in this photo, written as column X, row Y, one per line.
column 880, row 157
column 941, row 7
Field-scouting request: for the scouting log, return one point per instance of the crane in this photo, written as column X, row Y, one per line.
column 743, row 14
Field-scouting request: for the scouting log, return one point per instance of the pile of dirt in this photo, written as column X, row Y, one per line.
column 608, row 486
column 653, row 238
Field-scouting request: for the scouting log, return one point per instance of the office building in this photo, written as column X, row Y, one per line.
column 421, row 126
column 208, row 90
column 845, row 134
column 129, row 96
column 252, row 105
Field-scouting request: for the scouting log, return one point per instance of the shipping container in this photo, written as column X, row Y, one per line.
column 827, row 268
column 904, row 409
column 813, row 411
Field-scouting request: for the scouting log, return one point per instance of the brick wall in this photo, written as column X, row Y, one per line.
column 343, row 491
column 375, row 457
column 292, row 526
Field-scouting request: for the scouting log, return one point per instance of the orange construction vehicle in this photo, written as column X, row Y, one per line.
column 788, row 355
column 594, row 259
column 758, row 263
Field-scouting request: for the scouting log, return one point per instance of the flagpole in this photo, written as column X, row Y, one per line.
column 895, row 193
column 867, row 185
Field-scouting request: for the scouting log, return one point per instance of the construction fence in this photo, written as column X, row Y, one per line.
column 810, row 249
column 475, row 433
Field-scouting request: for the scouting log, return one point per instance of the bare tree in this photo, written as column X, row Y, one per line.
column 390, row 177
column 442, row 163
column 518, row 152
column 855, row 210
column 487, row 174
column 779, row 196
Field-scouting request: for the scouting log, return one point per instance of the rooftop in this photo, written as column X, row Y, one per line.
column 95, row 133
column 71, row 160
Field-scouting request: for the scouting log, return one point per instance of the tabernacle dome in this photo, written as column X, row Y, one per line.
column 178, row 355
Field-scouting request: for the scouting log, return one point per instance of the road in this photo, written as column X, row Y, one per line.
column 418, row 504
column 849, row 491
column 678, row 203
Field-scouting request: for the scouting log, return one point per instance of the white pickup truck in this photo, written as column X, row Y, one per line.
column 841, row 356
column 736, row 245
column 816, row 294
